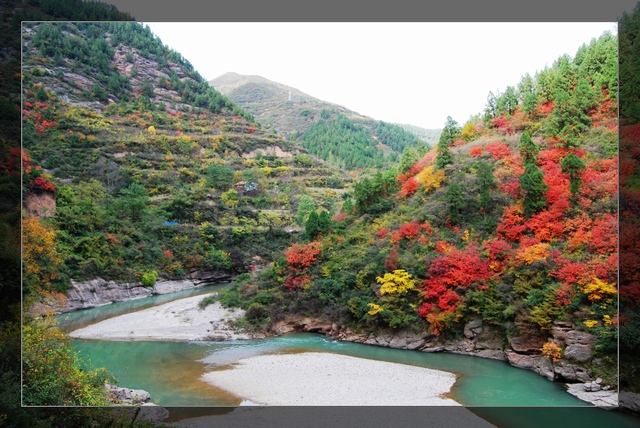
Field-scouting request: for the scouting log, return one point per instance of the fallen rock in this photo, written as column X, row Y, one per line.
column 128, row 395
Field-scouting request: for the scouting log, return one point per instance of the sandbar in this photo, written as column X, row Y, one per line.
column 180, row 320
column 325, row 379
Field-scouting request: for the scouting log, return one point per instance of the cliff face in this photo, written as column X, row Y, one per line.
column 98, row 292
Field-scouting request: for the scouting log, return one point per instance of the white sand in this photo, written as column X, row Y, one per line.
column 324, row 379
column 180, row 320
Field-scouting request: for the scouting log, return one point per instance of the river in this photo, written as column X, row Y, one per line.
column 171, row 371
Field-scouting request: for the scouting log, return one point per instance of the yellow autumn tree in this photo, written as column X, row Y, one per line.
column 39, row 255
column 374, row 308
column 399, row 281
column 597, row 289
column 430, row 180
column 534, row 253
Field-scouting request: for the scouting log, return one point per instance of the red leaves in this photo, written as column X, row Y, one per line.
column 475, row 151
column 293, row 282
column 546, row 108
column 512, row 225
column 382, row 233
column 409, row 187
column 409, row 231
column 604, row 235
column 454, row 269
column 502, row 125
column 42, row 184
column 498, row 150
column 548, row 225
column 300, row 257
column 339, row 217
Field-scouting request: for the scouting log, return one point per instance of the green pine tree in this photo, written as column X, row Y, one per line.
column 528, row 149
column 534, row 188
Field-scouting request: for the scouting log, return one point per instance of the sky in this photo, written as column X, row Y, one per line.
column 415, row 73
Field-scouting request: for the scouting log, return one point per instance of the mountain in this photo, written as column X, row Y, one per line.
column 282, row 108
column 332, row 132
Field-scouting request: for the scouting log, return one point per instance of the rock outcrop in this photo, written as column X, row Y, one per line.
column 595, row 393
column 98, row 292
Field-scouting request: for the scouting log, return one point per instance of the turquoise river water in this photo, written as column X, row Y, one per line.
column 171, row 371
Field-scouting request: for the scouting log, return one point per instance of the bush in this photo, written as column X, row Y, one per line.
column 148, row 279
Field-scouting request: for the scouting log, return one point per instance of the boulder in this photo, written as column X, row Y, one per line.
column 571, row 372
column 128, row 395
column 578, row 352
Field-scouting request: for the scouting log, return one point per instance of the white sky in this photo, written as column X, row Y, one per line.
column 416, row 73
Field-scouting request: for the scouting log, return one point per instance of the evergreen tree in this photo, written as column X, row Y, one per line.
column 456, row 202
column 324, row 223
column 528, row 149
column 534, row 189
column 409, row 157
column 311, row 227
column 486, row 183
column 305, row 207
column 450, row 133
column 574, row 166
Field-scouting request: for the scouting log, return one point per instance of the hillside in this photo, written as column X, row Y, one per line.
column 334, row 133
column 501, row 241
column 141, row 169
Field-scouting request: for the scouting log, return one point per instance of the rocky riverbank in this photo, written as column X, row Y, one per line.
column 483, row 340
column 99, row 292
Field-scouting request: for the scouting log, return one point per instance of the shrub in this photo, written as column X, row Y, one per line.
column 148, row 279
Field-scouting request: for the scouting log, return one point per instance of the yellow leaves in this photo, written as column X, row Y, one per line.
column 552, row 351
column 596, row 290
column 430, row 180
column 466, row 236
column 399, row 281
column 374, row 308
column 534, row 253
column 38, row 252
column 326, row 271
column 590, row 323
